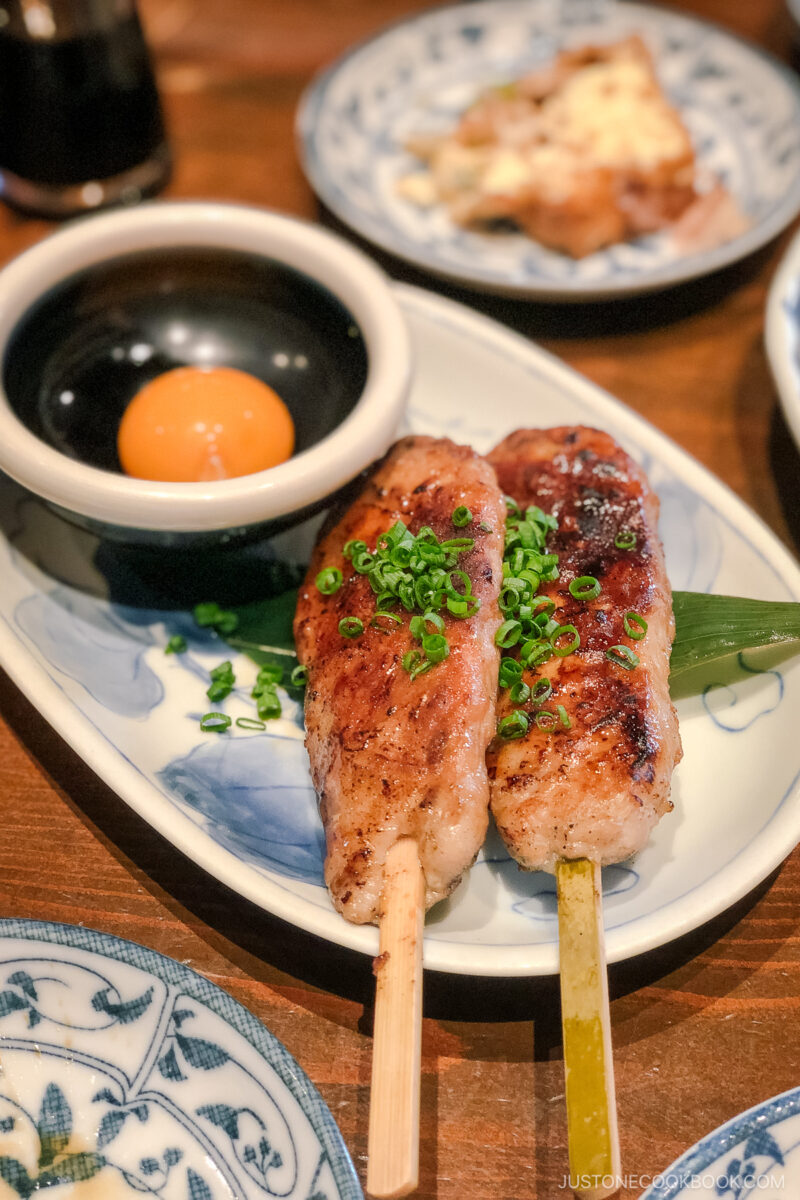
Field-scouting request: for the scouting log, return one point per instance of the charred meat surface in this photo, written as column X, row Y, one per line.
column 391, row 755
column 596, row 788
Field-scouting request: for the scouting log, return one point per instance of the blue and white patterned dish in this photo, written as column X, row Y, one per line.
column 242, row 804
column 742, row 110
column 755, row 1154
column 782, row 334
column 124, row 1074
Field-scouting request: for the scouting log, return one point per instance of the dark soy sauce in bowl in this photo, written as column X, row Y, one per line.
column 77, row 358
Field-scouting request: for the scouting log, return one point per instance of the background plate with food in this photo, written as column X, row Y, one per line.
column 86, row 641
column 127, row 1074
column 484, row 198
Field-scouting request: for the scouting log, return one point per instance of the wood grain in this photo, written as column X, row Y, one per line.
column 702, row 1028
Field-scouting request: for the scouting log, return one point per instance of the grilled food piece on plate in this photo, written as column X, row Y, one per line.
column 397, row 746
column 590, row 778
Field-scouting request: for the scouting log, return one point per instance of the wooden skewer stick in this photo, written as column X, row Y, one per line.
column 594, row 1161
column 393, row 1167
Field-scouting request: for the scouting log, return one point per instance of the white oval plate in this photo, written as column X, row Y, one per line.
column 783, row 334
column 742, row 110
column 242, row 806
column 755, row 1154
column 125, row 1073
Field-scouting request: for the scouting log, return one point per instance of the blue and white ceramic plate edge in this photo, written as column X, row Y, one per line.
column 384, row 234
column 769, row 844
column 715, row 1166
column 782, row 334
column 185, row 982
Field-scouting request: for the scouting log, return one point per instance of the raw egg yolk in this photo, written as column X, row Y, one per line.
column 202, row 423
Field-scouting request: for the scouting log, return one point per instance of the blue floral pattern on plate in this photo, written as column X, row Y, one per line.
column 242, row 805
column 742, row 110
column 755, row 1154
column 123, row 1066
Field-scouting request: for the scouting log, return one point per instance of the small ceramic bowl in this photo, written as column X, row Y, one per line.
column 93, row 312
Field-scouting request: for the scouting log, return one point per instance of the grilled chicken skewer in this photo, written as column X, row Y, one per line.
column 588, row 789
column 397, row 758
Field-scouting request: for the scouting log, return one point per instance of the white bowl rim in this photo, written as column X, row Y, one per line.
column 305, row 479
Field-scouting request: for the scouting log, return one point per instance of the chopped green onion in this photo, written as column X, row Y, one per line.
column 222, row 681
column 215, row 722
column 541, row 691
column 210, row 615
column 351, row 627
column 508, row 634
column 250, row 723
column 585, row 587
column 515, row 725
column 510, row 672
column 269, row 673
column 625, row 539
column 268, row 704
column 563, row 716
column 520, row 692
column 568, row 631
column 410, row 660
column 634, row 625
column 623, row 656
column 485, row 528
column 299, row 676
column 329, row 580
column 435, row 647
column 461, row 517
column 176, row 644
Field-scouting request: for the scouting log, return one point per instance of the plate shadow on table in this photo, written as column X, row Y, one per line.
column 573, row 319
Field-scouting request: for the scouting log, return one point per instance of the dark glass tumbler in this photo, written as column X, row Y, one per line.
column 80, row 118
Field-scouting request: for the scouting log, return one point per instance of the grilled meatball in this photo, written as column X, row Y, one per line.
column 393, row 756
column 597, row 788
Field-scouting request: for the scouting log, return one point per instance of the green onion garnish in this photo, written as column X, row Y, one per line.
column 299, row 676
column 585, row 587
column 435, row 647
column 210, row 615
column 520, row 692
column 215, row 722
column 634, row 625
column 351, row 627
column 508, row 634
column 176, row 644
column 268, row 703
column 329, row 580
column 623, row 656
column 562, row 649
column 515, row 725
column 222, row 681
column 510, row 672
column 250, row 723
column 625, row 539
column 563, row 716
column 461, row 517
column 541, row 691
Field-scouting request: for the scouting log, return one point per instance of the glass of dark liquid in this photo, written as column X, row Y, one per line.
column 80, row 118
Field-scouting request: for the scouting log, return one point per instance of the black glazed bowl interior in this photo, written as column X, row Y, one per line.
column 96, row 311
column 79, row 356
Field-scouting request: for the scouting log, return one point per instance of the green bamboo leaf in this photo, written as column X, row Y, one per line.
column 712, row 631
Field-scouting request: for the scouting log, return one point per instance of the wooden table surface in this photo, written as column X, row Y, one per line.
column 703, row 1027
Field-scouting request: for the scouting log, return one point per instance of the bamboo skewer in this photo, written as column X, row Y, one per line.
column 594, row 1160
column 393, row 1167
